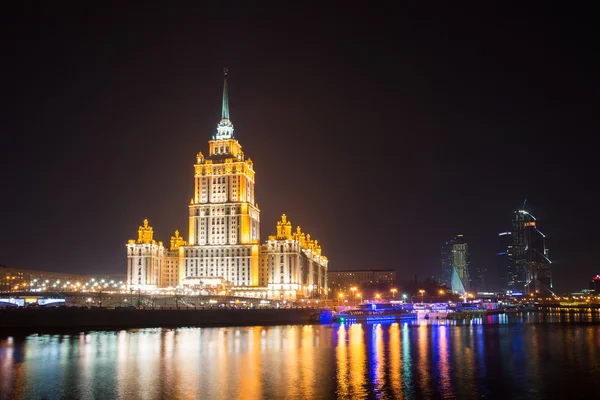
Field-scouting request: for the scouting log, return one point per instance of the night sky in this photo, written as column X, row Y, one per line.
column 381, row 132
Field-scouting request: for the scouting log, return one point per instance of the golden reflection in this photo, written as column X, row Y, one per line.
column 187, row 365
column 357, row 359
column 222, row 362
column 306, row 367
column 341, row 353
column 423, row 366
column 591, row 346
column 395, row 361
column 249, row 368
column 464, row 361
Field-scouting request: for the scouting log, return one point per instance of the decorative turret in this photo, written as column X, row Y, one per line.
column 145, row 233
column 177, row 241
column 300, row 237
column 284, row 228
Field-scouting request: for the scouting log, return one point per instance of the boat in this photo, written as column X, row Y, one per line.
column 511, row 309
column 373, row 313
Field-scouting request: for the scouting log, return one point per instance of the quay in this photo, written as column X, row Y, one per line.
column 117, row 318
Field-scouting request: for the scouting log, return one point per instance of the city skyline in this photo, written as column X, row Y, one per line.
column 105, row 119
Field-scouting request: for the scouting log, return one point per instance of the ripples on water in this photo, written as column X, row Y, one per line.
column 504, row 357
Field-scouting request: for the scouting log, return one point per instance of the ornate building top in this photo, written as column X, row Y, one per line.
column 284, row 228
column 177, row 241
column 284, row 232
column 225, row 127
column 145, row 233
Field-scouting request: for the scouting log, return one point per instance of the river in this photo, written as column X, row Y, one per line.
column 503, row 357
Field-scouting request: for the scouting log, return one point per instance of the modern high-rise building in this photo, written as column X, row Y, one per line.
column 530, row 256
column 506, row 274
column 455, row 264
column 524, row 264
column 476, row 277
column 223, row 249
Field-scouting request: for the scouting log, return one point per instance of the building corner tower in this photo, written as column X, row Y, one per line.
column 144, row 260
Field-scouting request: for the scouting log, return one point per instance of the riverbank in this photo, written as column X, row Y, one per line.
column 78, row 318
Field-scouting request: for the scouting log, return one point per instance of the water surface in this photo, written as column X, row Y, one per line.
column 505, row 357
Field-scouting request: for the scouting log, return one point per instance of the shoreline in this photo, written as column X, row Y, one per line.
column 86, row 319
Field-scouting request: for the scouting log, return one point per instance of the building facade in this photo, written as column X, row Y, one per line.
column 455, row 265
column 223, row 251
column 345, row 279
column 292, row 264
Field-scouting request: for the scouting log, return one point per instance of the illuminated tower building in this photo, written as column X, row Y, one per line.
column 224, row 218
column 223, row 253
column 447, row 260
column 144, row 260
column 505, row 265
column 292, row 264
column 530, row 262
column 455, row 264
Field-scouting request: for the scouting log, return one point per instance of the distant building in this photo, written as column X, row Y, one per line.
column 504, row 265
column 15, row 279
column 455, row 264
column 348, row 278
column 530, row 265
column 476, row 277
column 595, row 285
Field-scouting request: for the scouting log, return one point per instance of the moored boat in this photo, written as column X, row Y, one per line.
column 373, row 313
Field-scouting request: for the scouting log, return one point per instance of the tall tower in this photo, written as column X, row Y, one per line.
column 455, row 264
column 224, row 219
column 504, row 262
column 530, row 261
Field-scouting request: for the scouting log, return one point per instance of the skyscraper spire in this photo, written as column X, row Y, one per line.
column 225, row 110
column 225, row 127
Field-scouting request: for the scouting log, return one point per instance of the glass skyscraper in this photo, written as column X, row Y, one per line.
column 455, row 264
column 523, row 260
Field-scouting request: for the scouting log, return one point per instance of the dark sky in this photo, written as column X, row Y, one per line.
column 382, row 132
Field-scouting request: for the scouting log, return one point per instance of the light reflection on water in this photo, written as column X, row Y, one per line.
column 501, row 357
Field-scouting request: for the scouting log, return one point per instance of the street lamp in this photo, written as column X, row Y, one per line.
column 341, row 296
column 358, row 294
column 353, row 289
column 377, row 296
column 404, row 296
column 422, row 296
column 394, row 293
